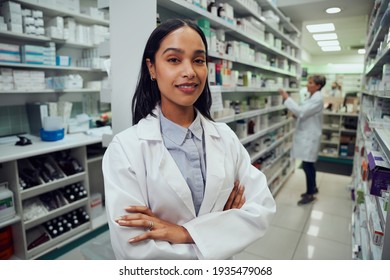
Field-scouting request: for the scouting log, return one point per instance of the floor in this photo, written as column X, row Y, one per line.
column 318, row 231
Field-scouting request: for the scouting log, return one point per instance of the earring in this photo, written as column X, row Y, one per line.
column 152, row 79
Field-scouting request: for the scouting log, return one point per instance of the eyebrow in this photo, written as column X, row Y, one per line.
column 181, row 51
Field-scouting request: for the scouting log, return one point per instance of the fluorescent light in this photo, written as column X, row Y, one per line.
column 324, row 27
column 325, row 36
column 333, row 10
column 331, row 49
column 361, row 51
column 328, row 43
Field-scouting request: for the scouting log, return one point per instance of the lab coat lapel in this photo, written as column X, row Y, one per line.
column 175, row 180
column 215, row 158
column 149, row 129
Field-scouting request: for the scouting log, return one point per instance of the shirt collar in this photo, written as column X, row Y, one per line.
column 177, row 133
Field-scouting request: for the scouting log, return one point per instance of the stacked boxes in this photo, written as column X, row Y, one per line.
column 28, row 80
column 33, row 22
column 378, row 173
column 6, row 79
column 12, row 13
column 9, row 53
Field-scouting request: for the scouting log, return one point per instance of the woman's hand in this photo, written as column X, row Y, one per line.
column 156, row 229
column 236, row 198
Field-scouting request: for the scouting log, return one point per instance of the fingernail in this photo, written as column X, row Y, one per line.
column 131, row 240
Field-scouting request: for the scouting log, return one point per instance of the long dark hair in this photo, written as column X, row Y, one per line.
column 147, row 94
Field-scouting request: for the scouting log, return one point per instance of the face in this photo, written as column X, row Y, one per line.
column 311, row 86
column 180, row 69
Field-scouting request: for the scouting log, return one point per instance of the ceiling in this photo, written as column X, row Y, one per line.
column 350, row 23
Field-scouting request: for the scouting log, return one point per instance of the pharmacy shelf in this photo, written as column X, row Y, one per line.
column 254, row 89
column 52, row 10
column 23, row 91
column 253, row 137
column 249, row 114
column 257, row 155
column 48, row 67
column 268, row 167
column 43, row 39
column 283, row 181
column 376, row 32
column 268, row 5
column 242, row 10
column 193, row 12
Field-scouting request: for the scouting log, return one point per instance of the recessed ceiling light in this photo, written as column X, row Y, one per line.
column 361, row 51
column 324, row 27
column 328, row 43
column 331, row 49
column 333, row 10
column 325, row 36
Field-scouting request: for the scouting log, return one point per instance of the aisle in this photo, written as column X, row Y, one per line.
column 317, row 231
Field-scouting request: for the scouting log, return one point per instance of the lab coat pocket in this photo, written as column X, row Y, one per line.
column 221, row 200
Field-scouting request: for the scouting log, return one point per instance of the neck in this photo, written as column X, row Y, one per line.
column 181, row 116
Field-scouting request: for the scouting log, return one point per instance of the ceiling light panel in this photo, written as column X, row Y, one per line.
column 331, row 49
column 324, row 27
column 328, row 43
column 325, row 36
column 361, row 51
column 333, row 10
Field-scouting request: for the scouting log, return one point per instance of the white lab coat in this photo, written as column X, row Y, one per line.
column 139, row 170
column 308, row 128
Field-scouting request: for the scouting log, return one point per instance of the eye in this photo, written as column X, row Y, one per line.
column 173, row 60
column 200, row 61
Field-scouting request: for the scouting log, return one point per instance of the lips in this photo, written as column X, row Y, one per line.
column 187, row 87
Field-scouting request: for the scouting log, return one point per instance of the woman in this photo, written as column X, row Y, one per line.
column 308, row 131
column 174, row 180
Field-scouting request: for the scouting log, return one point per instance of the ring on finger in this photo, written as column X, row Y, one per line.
column 151, row 225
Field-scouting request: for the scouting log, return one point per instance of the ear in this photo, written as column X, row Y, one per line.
column 152, row 70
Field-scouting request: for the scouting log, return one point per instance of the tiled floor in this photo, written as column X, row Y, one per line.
column 318, row 231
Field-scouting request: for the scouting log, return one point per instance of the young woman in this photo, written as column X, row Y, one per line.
column 307, row 135
column 174, row 181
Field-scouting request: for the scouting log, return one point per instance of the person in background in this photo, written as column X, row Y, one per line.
column 335, row 90
column 174, row 181
column 308, row 131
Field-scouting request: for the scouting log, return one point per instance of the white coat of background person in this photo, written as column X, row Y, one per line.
column 148, row 194
column 308, row 131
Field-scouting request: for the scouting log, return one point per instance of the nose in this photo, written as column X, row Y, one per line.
column 188, row 70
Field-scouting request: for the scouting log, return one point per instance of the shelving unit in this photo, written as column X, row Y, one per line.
column 11, row 156
column 372, row 135
column 338, row 141
column 85, row 96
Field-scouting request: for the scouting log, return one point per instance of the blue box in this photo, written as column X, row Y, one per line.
column 378, row 173
column 53, row 135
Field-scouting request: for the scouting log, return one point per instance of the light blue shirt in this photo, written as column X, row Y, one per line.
column 187, row 148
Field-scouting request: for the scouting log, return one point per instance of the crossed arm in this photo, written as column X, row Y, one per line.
column 143, row 217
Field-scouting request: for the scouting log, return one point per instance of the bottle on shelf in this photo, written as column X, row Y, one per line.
column 212, row 8
column 221, row 11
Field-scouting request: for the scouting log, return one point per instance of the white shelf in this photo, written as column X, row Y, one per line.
column 254, row 136
column 10, row 151
column 193, row 12
column 54, row 11
column 241, row 10
column 48, row 67
column 81, row 90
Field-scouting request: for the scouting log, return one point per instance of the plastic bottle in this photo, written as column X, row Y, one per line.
column 221, row 11
column 7, row 206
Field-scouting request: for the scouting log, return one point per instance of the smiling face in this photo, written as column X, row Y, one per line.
column 180, row 70
column 312, row 87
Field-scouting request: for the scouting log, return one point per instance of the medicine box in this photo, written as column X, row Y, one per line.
column 378, row 173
